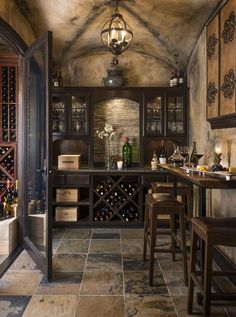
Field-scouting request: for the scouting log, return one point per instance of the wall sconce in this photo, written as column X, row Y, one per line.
column 116, row 34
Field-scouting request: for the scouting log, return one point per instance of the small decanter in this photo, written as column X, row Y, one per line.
column 176, row 158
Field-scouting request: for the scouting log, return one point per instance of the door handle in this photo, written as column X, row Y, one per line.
column 43, row 171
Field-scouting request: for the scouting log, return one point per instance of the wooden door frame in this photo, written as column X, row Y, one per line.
column 17, row 44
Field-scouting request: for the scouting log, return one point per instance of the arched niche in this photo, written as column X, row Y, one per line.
column 124, row 116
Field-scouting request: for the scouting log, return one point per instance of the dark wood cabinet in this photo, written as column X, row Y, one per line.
column 70, row 114
column 147, row 115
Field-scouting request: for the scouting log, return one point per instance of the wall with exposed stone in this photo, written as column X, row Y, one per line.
column 220, row 202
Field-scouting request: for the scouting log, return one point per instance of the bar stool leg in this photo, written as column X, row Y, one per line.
column 183, row 246
column 193, row 258
column 207, row 277
column 173, row 231
column 153, row 228
column 146, row 224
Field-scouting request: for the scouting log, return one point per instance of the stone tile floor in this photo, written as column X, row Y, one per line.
column 98, row 272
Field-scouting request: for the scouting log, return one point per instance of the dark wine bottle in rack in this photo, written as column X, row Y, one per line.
column 103, row 187
column 129, row 188
column 103, row 214
column 130, row 214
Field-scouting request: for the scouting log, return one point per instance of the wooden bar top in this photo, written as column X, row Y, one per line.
column 198, row 180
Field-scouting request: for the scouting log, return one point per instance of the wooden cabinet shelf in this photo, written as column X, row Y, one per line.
column 146, row 115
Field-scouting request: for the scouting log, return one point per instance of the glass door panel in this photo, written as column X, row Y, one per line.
column 175, row 115
column 58, row 114
column 36, row 163
column 79, row 115
column 154, row 116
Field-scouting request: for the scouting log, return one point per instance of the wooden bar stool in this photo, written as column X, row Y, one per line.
column 163, row 204
column 213, row 231
column 182, row 190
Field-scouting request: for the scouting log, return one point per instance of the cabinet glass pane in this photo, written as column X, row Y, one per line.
column 154, row 116
column 79, row 115
column 58, row 115
column 175, row 115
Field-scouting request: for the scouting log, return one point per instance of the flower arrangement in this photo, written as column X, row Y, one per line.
column 107, row 133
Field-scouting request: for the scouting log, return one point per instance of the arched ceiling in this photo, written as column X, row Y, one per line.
column 162, row 28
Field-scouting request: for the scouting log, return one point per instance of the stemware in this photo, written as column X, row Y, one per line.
column 199, row 156
column 184, row 151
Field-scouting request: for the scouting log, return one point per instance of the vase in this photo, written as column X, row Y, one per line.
column 108, row 162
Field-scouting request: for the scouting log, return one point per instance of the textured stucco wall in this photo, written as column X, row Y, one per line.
column 220, row 202
column 10, row 12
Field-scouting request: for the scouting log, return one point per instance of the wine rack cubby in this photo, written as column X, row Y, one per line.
column 116, row 198
column 8, row 121
column 8, row 101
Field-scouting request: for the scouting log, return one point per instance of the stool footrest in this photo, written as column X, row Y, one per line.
column 160, row 250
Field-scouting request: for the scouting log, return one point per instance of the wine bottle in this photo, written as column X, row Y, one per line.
column 127, row 154
column 2, row 215
column 162, row 154
column 154, row 161
column 15, row 193
column 181, row 78
column 55, row 80
column 193, row 158
column 60, row 80
column 175, row 80
column 171, row 79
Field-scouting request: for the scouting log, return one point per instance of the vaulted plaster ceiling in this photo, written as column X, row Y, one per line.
column 162, row 28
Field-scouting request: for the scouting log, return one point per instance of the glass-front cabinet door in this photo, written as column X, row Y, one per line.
column 153, row 123
column 175, row 115
column 59, row 114
column 79, row 115
column 36, row 160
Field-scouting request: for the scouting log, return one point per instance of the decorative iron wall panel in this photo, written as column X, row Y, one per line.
column 228, row 56
column 213, row 68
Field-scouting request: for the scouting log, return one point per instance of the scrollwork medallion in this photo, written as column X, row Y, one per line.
column 211, row 93
column 228, row 86
column 211, row 45
column 229, row 28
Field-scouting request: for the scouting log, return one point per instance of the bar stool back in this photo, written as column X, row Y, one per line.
column 163, row 204
column 213, row 231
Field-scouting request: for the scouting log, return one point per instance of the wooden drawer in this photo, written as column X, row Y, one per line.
column 58, row 179
column 77, row 180
column 67, row 195
column 66, row 214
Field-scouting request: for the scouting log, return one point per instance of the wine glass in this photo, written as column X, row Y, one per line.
column 199, row 156
column 184, row 151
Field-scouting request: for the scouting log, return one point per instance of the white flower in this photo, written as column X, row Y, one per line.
column 106, row 132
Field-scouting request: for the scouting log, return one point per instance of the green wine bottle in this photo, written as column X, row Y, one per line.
column 127, row 154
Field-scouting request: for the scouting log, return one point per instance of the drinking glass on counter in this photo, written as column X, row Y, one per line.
column 184, row 151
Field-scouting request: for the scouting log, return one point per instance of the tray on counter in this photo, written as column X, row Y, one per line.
column 221, row 174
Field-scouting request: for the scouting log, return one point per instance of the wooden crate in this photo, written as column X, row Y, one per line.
column 8, row 235
column 67, row 195
column 66, row 214
column 37, row 228
column 68, row 162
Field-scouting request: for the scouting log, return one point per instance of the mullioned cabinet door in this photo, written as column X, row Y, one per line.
column 213, row 68
column 228, row 58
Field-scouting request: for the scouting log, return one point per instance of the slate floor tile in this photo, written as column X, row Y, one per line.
column 13, row 306
column 102, row 283
column 100, row 306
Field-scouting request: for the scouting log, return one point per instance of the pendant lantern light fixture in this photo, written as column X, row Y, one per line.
column 116, row 34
